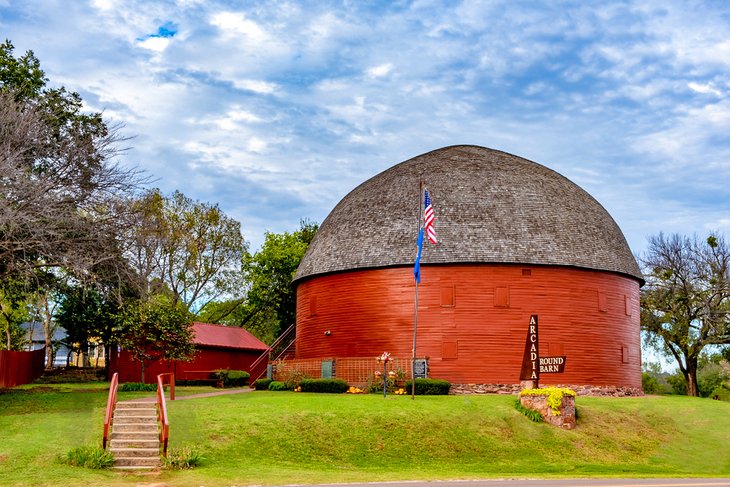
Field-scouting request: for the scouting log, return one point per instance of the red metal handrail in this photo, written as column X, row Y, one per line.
column 110, row 404
column 171, row 382
column 162, row 415
column 255, row 371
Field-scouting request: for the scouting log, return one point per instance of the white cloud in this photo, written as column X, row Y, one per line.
column 380, row 71
column 706, row 89
column 263, row 87
column 235, row 24
column 156, row 44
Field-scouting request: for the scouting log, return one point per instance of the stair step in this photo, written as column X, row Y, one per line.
column 137, row 404
column 135, row 452
column 128, row 427
column 135, row 435
column 135, row 413
column 134, row 443
column 134, row 419
column 129, row 468
column 137, row 462
column 125, row 427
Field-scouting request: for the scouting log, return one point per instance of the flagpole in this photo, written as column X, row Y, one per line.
column 415, row 311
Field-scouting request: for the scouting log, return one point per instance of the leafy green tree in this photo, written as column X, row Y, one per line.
column 685, row 305
column 271, row 300
column 14, row 310
column 87, row 316
column 156, row 329
column 187, row 248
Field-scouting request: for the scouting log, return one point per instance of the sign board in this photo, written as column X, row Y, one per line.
column 552, row 365
column 530, row 361
column 420, row 368
column 328, row 369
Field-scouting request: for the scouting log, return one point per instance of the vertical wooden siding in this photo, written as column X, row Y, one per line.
column 205, row 359
column 473, row 319
column 17, row 368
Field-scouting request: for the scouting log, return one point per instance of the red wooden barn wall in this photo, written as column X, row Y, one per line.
column 206, row 359
column 20, row 367
column 473, row 320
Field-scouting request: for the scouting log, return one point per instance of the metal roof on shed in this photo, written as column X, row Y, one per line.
column 209, row 335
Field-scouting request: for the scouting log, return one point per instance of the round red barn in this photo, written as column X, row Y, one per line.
column 514, row 239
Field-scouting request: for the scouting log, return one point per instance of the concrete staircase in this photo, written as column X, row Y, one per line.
column 135, row 438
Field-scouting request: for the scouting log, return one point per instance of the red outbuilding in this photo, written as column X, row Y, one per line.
column 514, row 239
column 217, row 347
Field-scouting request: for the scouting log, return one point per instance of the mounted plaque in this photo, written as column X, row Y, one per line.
column 420, row 368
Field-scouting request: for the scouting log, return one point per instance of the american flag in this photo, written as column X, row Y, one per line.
column 429, row 218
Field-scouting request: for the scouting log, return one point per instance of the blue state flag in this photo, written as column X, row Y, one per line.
column 417, row 267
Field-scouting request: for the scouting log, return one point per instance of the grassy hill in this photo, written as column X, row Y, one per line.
column 284, row 437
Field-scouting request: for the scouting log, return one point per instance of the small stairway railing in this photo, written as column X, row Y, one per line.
column 110, row 405
column 162, row 409
column 274, row 352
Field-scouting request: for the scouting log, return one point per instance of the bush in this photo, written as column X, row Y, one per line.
column 183, row 458
column 649, row 383
column 430, row 387
column 710, row 377
column 336, row 386
column 262, row 384
column 721, row 393
column 232, row 378
column 137, row 386
column 89, row 457
column 278, row 386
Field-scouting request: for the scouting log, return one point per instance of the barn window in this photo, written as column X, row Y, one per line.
column 501, row 297
column 602, row 302
column 447, row 296
column 526, row 272
column 627, row 301
column 625, row 354
column 450, row 349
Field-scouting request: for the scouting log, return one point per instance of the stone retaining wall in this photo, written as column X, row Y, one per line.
column 601, row 391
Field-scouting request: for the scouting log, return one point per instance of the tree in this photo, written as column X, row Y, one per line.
column 158, row 328
column 87, row 315
column 61, row 194
column 187, row 248
column 685, row 305
column 13, row 311
column 270, row 305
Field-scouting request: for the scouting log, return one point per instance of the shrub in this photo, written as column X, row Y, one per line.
column 430, row 387
column 336, row 386
column 262, row 384
column 137, row 386
column 710, row 377
column 183, row 458
column 232, row 378
column 532, row 414
column 275, row 385
column 89, row 457
column 721, row 393
column 649, row 383
column 292, row 377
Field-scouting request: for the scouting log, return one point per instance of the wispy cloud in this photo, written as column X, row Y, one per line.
column 277, row 110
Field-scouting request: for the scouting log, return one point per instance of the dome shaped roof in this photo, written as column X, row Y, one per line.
column 491, row 207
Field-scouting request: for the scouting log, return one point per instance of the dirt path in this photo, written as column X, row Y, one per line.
column 196, row 396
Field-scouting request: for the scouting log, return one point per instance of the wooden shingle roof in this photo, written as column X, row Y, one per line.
column 491, row 207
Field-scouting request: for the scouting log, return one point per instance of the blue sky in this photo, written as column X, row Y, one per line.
column 275, row 110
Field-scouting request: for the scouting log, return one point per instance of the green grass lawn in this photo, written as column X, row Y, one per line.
column 284, row 437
